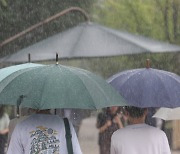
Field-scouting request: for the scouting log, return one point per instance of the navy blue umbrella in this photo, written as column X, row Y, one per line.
column 147, row 87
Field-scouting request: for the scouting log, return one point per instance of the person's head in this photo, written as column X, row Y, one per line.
column 135, row 114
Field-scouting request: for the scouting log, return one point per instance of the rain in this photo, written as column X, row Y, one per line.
column 105, row 37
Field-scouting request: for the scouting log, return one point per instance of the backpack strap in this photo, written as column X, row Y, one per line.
column 68, row 136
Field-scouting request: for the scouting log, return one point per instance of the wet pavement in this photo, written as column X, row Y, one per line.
column 88, row 137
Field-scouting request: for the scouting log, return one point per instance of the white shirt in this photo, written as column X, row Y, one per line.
column 139, row 139
column 12, row 125
column 4, row 121
column 42, row 133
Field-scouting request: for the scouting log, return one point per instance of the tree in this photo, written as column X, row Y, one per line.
column 170, row 12
column 154, row 18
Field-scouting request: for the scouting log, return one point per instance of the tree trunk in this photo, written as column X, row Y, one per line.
column 175, row 7
column 136, row 17
column 165, row 13
column 166, row 19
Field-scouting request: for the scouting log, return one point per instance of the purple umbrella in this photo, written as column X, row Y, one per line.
column 147, row 87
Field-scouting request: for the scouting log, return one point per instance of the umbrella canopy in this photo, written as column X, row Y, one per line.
column 148, row 87
column 58, row 86
column 5, row 72
column 90, row 40
column 168, row 114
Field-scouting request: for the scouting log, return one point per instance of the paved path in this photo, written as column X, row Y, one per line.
column 88, row 137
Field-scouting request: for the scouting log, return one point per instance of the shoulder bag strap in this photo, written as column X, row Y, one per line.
column 68, row 136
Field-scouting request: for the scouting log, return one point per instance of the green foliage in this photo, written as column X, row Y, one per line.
column 153, row 18
column 109, row 66
column 158, row 19
column 3, row 3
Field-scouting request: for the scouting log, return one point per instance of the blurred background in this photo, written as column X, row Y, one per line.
column 155, row 19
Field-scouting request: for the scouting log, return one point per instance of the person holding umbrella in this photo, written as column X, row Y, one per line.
column 52, row 87
column 139, row 137
column 43, row 133
column 108, row 122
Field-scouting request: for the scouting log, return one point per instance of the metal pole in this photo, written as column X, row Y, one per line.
column 29, row 58
column 44, row 22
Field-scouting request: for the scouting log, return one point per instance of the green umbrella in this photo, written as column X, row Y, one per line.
column 5, row 72
column 12, row 71
column 58, row 86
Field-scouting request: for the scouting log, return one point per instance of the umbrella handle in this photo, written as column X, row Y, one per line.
column 19, row 101
column 57, row 59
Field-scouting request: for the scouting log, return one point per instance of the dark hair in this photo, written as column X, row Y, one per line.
column 135, row 112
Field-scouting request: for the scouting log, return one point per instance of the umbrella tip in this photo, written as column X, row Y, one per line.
column 147, row 63
column 29, row 57
column 57, row 59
